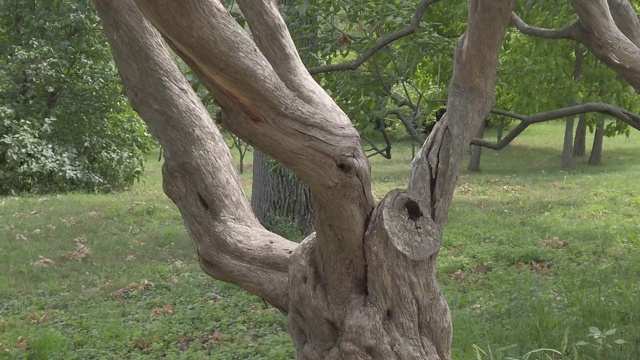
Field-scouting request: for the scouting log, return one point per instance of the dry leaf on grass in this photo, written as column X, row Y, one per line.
column 21, row 343
column 69, row 220
column 81, row 252
column 33, row 319
column 43, row 261
column 133, row 287
column 159, row 310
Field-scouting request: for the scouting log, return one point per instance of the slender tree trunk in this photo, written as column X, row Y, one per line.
column 567, row 149
column 596, row 149
column 476, row 151
column 580, row 142
column 279, row 195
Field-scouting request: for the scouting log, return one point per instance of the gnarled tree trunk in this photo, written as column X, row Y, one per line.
column 363, row 286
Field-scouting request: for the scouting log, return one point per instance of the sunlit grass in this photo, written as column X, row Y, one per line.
column 532, row 257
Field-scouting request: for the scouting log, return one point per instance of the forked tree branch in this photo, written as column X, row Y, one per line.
column 628, row 117
column 380, row 44
column 230, row 242
column 262, row 105
column 270, row 33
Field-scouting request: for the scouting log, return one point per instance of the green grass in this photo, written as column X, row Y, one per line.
column 532, row 258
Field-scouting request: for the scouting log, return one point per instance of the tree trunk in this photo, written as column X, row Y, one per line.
column 580, row 142
column 476, row 151
column 596, row 150
column 567, row 149
column 279, row 195
column 363, row 286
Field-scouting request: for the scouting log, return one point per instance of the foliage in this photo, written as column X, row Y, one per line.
column 532, row 257
column 64, row 121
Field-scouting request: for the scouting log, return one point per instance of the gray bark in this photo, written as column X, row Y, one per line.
column 580, row 142
column 476, row 151
column 567, row 148
column 596, row 150
column 279, row 195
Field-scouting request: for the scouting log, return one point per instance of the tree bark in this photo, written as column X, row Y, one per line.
column 580, row 142
column 363, row 286
column 476, row 151
column 279, row 195
column 596, row 150
column 567, row 148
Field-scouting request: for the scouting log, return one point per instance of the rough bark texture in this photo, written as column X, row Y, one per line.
column 596, row 150
column 277, row 194
column 476, row 151
column 580, row 142
column 363, row 286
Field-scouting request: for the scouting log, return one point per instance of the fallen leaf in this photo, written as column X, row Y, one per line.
column 22, row 343
column 215, row 337
column 37, row 231
column 554, row 242
column 482, row 269
column 458, row 276
column 21, row 237
column 183, row 343
column 43, row 261
column 79, row 253
column 69, row 220
column 130, row 258
column 93, row 213
column 51, row 226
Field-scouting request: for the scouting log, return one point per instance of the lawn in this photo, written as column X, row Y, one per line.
column 533, row 258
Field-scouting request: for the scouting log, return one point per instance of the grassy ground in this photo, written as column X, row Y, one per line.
column 533, row 258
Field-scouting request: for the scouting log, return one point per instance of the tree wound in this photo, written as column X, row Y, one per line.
column 413, row 210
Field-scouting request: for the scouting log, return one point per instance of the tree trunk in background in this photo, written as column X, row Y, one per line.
column 596, row 149
column 278, row 193
column 567, row 149
column 476, row 151
column 580, row 142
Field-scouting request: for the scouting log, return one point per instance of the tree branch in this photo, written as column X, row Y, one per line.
column 380, row 44
column 626, row 19
column 606, row 41
column 628, row 117
column 569, row 32
column 198, row 174
column 270, row 33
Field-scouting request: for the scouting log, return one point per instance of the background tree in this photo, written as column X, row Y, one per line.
column 64, row 121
